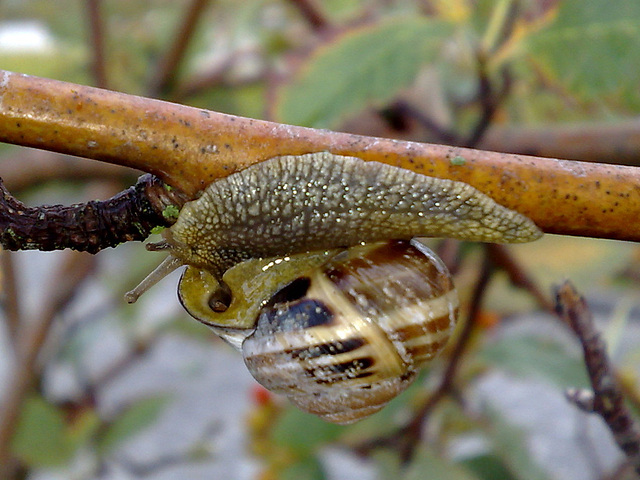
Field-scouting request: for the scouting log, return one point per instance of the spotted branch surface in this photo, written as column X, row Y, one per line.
column 189, row 148
column 606, row 399
column 91, row 226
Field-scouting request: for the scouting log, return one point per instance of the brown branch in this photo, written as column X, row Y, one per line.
column 26, row 167
column 606, row 399
column 10, row 298
column 217, row 76
column 88, row 227
column 402, row 110
column 164, row 77
column 189, row 148
column 73, row 271
column 613, row 142
column 311, row 13
column 96, row 34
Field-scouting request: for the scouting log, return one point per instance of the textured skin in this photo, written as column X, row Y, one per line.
column 317, row 201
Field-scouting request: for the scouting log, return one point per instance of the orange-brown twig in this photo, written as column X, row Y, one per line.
column 189, row 148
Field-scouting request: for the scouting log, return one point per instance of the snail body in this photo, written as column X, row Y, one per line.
column 318, row 201
column 308, row 265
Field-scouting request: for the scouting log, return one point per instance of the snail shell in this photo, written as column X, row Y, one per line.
column 342, row 340
column 284, row 262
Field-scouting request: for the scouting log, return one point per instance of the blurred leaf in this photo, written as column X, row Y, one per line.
column 534, row 356
column 132, row 420
column 84, row 428
column 303, row 432
column 307, row 469
column 488, row 467
column 387, row 462
column 40, row 439
column 366, row 65
column 426, row 465
column 592, row 47
column 510, row 444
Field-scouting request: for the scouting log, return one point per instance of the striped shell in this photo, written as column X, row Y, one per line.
column 344, row 339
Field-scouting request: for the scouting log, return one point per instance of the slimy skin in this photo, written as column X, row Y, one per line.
column 319, row 201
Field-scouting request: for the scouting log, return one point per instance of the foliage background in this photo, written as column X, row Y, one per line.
column 142, row 391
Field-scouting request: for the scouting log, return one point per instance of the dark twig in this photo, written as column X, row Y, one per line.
column 404, row 109
column 89, row 227
column 96, row 33
column 489, row 102
column 607, row 399
column 312, row 13
column 164, row 76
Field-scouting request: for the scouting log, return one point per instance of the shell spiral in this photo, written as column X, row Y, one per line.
column 344, row 339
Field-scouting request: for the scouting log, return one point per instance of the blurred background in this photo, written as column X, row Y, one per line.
column 119, row 391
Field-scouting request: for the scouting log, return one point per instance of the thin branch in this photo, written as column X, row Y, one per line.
column 96, row 33
column 163, row 80
column 606, row 399
column 189, row 148
column 73, row 271
column 218, row 76
column 88, row 227
column 444, row 135
column 27, row 167
column 615, row 142
column 311, row 13
column 489, row 101
column 10, row 298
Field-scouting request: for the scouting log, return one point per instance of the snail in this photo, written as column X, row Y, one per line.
column 308, row 265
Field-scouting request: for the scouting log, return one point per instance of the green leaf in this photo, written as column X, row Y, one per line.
column 429, row 466
column 388, row 464
column 132, row 420
column 303, row 432
column 592, row 46
column 534, row 356
column 308, row 468
column 83, row 429
column 509, row 443
column 40, row 439
column 365, row 66
column 488, row 467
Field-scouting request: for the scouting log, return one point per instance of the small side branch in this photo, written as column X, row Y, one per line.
column 606, row 399
column 91, row 226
